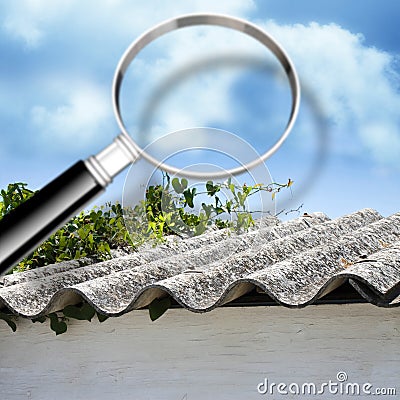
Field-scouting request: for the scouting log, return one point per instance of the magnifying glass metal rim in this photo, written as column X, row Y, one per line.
column 28, row 225
column 204, row 19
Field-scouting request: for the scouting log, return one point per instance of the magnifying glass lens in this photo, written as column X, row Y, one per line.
column 206, row 76
column 187, row 78
column 202, row 150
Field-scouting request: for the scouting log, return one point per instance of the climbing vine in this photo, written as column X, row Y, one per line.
column 58, row 321
column 178, row 209
column 170, row 208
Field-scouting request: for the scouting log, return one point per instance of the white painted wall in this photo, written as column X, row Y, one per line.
column 224, row 354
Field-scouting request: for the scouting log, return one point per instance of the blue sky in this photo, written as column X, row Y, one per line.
column 58, row 60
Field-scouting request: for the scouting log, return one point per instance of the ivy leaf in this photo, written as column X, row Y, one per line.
column 9, row 321
column 184, row 183
column 56, row 325
column 176, row 185
column 189, row 196
column 84, row 313
column 242, row 198
column 211, row 188
column 247, row 189
column 158, row 307
column 208, row 209
column 39, row 319
column 101, row 317
column 179, row 187
column 87, row 311
column 72, row 228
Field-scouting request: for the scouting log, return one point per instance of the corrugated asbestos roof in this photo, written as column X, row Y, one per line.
column 295, row 262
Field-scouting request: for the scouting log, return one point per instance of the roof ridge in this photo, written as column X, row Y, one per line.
column 129, row 286
column 147, row 255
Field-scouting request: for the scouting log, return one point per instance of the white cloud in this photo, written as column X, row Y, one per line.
column 354, row 83
column 73, row 111
column 24, row 30
column 30, row 20
column 78, row 122
column 33, row 21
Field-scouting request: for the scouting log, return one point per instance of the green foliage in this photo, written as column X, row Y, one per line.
column 80, row 312
column 57, row 324
column 179, row 186
column 90, row 234
column 13, row 196
column 158, row 307
column 39, row 319
column 101, row 317
column 170, row 210
column 84, row 312
column 58, row 321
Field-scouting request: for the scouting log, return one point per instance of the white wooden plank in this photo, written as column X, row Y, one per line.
column 223, row 354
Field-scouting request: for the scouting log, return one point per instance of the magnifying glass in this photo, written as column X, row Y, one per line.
column 23, row 229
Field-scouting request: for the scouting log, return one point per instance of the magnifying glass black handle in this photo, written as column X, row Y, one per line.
column 31, row 223
column 27, row 226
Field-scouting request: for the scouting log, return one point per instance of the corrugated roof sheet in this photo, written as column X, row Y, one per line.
column 295, row 262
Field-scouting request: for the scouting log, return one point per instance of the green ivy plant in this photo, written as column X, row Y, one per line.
column 169, row 208
column 81, row 312
column 58, row 321
column 13, row 196
column 90, row 234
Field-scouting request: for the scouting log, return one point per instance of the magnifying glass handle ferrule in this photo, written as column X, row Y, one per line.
column 27, row 226
column 112, row 160
column 32, row 222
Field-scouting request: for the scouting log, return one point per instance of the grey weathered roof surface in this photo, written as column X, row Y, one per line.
column 295, row 262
